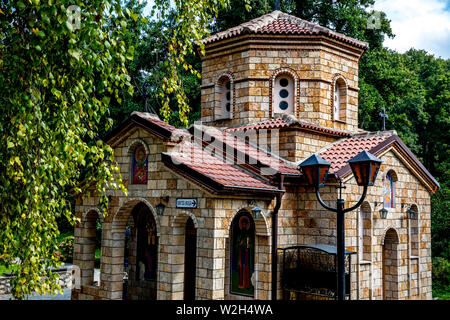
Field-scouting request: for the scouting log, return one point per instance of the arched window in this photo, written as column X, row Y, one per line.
column 389, row 189
column 224, row 98
column 365, row 230
column 242, row 254
column 139, row 168
column 283, row 94
column 147, row 245
column 414, row 231
column 339, row 100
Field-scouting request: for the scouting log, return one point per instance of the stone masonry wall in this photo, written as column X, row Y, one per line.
column 301, row 220
column 65, row 280
column 212, row 219
column 316, row 66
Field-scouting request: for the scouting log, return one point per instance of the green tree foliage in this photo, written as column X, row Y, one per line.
column 240, row 11
column 57, row 82
column 150, row 38
column 191, row 19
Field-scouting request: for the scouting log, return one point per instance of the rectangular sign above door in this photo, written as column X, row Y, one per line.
column 187, row 203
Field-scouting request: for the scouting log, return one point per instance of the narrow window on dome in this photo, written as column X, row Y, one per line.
column 224, row 98
column 339, row 100
column 283, row 94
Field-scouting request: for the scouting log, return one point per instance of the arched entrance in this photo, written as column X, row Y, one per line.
column 390, row 265
column 190, row 260
column 140, row 255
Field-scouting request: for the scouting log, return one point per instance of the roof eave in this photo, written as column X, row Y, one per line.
column 346, row 170
column 210, row 184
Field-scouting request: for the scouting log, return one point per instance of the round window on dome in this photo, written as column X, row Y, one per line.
column 284, row 93
column 283, row 105
column 284, row 82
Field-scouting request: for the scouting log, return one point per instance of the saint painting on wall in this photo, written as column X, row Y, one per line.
column 243, row 254
column 388, row 191
column 140, row 166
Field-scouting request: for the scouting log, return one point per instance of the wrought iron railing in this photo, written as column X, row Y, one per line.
column 311, row 271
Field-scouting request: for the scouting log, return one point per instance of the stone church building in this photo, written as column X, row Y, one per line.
column 221, row 210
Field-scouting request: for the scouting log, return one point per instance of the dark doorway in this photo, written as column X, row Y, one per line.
column 141, row 255
column 390, row 266
column 190, row 260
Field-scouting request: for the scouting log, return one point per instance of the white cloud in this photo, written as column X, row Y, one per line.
column 419, row 24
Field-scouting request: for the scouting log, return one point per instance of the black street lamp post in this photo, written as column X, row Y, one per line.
column 365, row 168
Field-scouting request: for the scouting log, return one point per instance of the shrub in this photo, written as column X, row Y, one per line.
column 441, row 277
column 66, row 249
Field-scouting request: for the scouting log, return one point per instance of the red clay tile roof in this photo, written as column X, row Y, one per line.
column 266, row 124
column 162, row 128
column 374, row 142
column 281, row 123
column 207, row 167
column 197, row 162
column 244, row 153
column 344, row 150
column 278, row 22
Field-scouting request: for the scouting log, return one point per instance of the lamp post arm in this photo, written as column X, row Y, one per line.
column 323, row 203
column 359, row 202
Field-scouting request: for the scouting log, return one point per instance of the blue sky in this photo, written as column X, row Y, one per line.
column 420, row 24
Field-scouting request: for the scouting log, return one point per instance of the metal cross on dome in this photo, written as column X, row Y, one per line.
column 383, row 116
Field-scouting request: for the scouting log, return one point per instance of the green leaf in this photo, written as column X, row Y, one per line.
column 75, row 53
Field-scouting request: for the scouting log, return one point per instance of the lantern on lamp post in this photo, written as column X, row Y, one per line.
column 316, row 170
column 365, row 167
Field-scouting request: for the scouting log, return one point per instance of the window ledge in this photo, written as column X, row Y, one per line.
column 365, row 262
column 223, row 119
column 414, row 257
column 240, row 296
column 340, row 121
column 137, row 186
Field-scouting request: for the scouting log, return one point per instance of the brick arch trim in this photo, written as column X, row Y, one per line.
column 88, row 212
column 395, row 239
column 261, row 224
column 293, row 74
column 416, row 206
column 179, row 219
column 123, row 213
column 366, row 207
column 134, row 144
column 342, row 80
column 393, row 173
